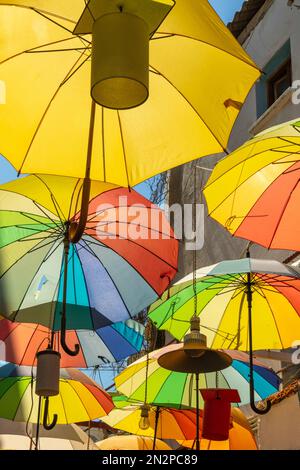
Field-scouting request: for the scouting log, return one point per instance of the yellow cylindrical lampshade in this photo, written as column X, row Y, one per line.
column 47, row 373
column 120, row 61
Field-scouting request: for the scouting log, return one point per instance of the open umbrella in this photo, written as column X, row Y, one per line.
column 254, row 192
column 21, row 342
column 80, row 398
column 190, row 48
column 163, row 423
column 242, row 304
column 240, row 436
column 167, row 388
column 124, row 261
column 15, row 436
column 223, row 309
column 45, row 121
column 131, row 443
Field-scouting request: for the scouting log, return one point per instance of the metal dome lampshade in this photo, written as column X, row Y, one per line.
column 195, row 358
column 121, row 30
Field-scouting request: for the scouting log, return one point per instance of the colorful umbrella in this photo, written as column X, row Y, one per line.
column 164, row 423
column 45, row 123
column 131, row 443
column 235, row 295
column 80, row 398
column 21, row 342
column 20, row 436
column 222, row 304
column 254, row 192
column 240, row 436
column 166, row 388
column 91, row 282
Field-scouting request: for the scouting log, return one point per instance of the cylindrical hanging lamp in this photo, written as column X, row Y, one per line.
column 120, row 60
column 47, row 373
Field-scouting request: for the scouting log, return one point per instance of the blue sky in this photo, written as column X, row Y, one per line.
column 225, row 8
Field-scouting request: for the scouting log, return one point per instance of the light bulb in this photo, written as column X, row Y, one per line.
column 144, row 422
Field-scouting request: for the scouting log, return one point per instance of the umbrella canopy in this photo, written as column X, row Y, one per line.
column 131, row 443
column 119, row 250
column 21, row 342
column 171, row 423
column 240, row 436
column 167, row 388
column 254, row 192
column 80, row 398
column 14, row 436
column 223, row 309
column 183, row 119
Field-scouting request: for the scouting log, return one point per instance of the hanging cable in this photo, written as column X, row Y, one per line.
column 195, row 251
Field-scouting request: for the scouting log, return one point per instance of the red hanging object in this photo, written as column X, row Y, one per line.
column 216, row 415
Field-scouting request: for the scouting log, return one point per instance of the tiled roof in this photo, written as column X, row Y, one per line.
column 242, row 17
column 287, row 392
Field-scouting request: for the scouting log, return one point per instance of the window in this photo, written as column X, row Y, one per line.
column 279, row 82
column 276, row 78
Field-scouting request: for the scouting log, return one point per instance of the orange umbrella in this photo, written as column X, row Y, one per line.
column 240, row 436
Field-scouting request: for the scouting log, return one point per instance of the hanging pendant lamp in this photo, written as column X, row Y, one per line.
column 121, row 30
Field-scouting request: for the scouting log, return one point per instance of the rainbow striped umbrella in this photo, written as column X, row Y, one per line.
column 21, row 342
column 167, row 388
column 80, row 398
column 254, row 192
column 122, row 263
column 222, row 304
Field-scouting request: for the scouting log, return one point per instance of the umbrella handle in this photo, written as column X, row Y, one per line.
column 251, row 359
column 260, row 411
column 63, row 342
column 47, row 426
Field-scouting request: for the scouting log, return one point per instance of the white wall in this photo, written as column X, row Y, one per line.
column 278, row 25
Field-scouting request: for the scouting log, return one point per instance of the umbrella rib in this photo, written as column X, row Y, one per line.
column 44, row 15
column 72, row 198
column 50, row 227
column 282, row 213
column 15, row 313
column 275, row 323
column 193, row 107
column 241, row 163
column 120, row 222
column 89, row 249
column 35, row 329
column 53, row 198
column 136, row 244
column 34, row 48
column 123, row 147
column 211, row 45
column 67, row 77
column 77, row 49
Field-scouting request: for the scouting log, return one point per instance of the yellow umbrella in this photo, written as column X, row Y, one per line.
column 131, row 443
column 199, row 78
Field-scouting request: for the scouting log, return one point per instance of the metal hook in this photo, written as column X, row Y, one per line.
column 63, row 343
column 47, row 426
column 259, row 411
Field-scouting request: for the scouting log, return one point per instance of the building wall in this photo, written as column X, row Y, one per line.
column 279, row 24
column 280, row 428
